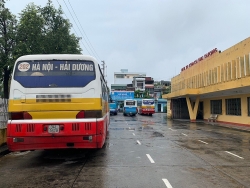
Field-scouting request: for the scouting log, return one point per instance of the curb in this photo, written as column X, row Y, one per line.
column 4, row 150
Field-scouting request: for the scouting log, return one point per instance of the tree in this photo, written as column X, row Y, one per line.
column 8, row 25
column 166, row 90
column 146, row 94
column 137, row 94
column 57, row 32
column 30, row 38
column 39, row 31
column 45, row 31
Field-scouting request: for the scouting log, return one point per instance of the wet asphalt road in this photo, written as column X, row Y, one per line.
column 141, row 152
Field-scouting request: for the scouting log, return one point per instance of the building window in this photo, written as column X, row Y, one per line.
column 233, row 106
column 120, row 76
column 140, row 85
column 248, row 105
column 216, row 106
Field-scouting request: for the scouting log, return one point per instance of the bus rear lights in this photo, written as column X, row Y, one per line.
column 89, row 114
column 80, row 115
column 18, row 139
column 20, row 115
column 89, row 138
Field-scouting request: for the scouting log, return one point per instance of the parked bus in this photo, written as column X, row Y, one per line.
column 57, row 101
column 147, row 106
column 113, row 108
column 130, row 107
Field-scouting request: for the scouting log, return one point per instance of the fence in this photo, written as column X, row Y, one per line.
column 3, row 113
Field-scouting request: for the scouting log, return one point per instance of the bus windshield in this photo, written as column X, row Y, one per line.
column 130, row 103
column 148, row 102
column 54, row 73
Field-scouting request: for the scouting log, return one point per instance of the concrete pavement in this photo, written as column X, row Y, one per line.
column 4, row 148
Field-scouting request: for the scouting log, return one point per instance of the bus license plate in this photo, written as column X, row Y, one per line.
column 53, row 129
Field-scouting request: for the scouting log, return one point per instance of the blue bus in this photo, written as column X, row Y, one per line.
column 130, row 107
column 113, row 108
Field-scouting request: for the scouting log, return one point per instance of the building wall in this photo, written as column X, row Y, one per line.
column 222, row 75
column 163, row 104
column 169, row 110
column 242, row 119
column 125, row 77
column 123, row 80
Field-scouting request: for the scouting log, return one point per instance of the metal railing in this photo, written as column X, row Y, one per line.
column 3, row 113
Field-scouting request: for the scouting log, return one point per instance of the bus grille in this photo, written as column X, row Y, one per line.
column 75, row 127
column 30, row 127
column 87, row 126
column 53, row 98
column 18, row 127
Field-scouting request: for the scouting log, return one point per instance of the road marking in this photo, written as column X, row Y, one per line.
column 150, row 158
column 172, row 129
column 234, row 154
column 202, row 141
column 133, row 134
column 184, row 134
column 167, row 183
column 138, row 142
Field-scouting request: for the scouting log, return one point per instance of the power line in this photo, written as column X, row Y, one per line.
column 76, row 25
column 72, row 26
column 87, row 41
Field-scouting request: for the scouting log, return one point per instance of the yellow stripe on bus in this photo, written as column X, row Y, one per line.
column 54, row 115
column 32, row 105
column 147, row 107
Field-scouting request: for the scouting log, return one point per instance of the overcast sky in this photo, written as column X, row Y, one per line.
column 157, row 37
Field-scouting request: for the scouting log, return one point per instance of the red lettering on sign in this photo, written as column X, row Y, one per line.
column 200, row 59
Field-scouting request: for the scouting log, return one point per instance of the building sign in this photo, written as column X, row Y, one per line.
column 200, row 59
column 121, row 95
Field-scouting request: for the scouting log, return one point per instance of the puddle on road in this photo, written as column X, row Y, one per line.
column 145, row 127
column 108, row 145
column 148, row 122
column 19, row 153
column 157, row 134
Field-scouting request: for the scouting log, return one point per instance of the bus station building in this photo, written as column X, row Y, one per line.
column 216, row 83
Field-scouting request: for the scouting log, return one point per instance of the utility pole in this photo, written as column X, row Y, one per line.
column 103, row 70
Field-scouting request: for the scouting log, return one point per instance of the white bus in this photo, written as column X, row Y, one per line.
column 130, row 107
column 57, row 101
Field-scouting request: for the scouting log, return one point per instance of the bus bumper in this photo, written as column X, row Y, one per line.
column 54, row 142
column 148, row 111
column 35, row 135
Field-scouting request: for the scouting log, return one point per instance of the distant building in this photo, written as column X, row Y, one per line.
column 138, row 81
column 160, row 88
column 118, row 87
column 125, row 77
column 149, row 86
